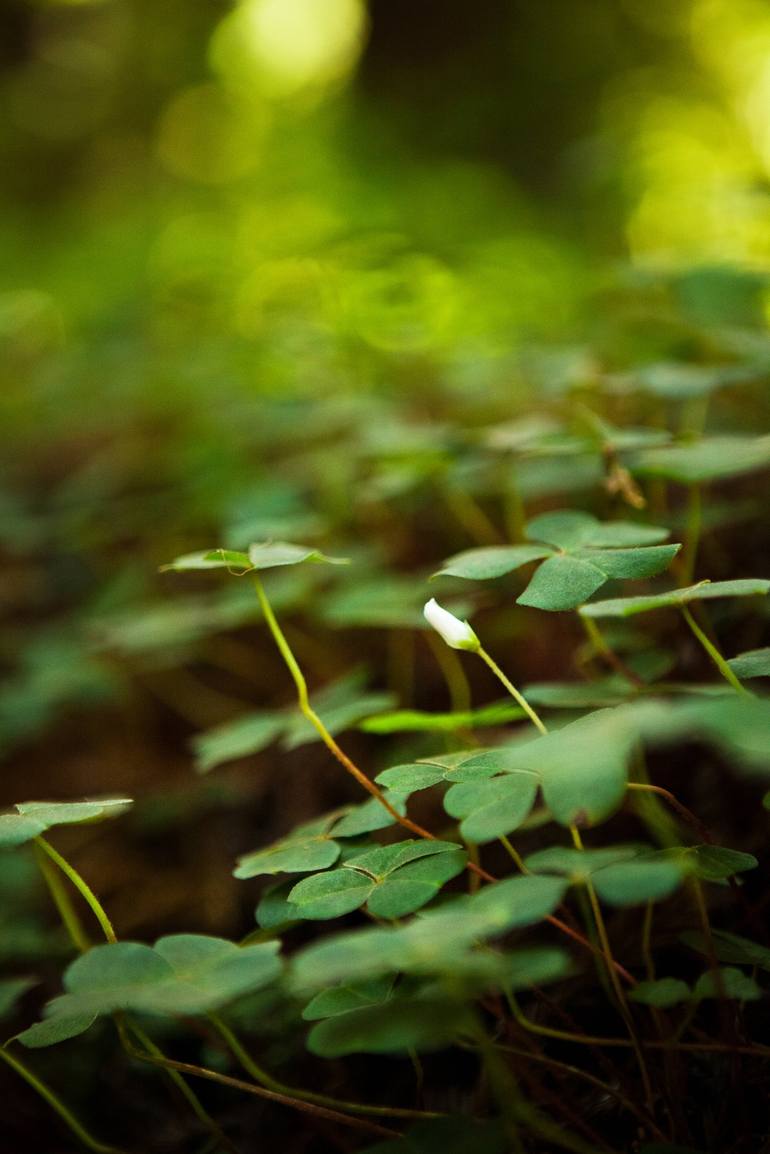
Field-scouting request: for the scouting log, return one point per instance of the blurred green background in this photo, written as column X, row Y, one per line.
column 274, row 269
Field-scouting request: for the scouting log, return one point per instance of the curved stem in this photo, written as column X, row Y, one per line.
column 685, row 813
column 600, row 644
column 309, row 713
column 714, row 654
column 262, row 1092
column 187, row 1092
column 625, row 1012
column 265, row 1079
column 514, row 692
column 62, row 901
column 81, row 886
column 56, row 1104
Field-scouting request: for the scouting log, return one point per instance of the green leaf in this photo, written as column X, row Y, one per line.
column 432, row 943
column 643, row 879
column 341, row 999
column 564, row 528
column 730, row 948
column 238, row 738
column 272, row 554
column 35, row 817
column 307, row 849
column 398, row 1026
column 579, row 864
column 704, row 591
column 181, row 974
column 631, row 564
column 370, row 816
column 582, row 766
column 490, row 562
column 623, row 534
column 410, row 778
column 753, row 663
column 662, row 993
column 715, row 863
column 393, row 880
column 709, row 459
column 208, row 559
column 59, row 1028
column 734, row 982
column 492, row 808
column 562, row 582
column 330, row 895
column 274, row 908
column 412, row 886
column 418, row 721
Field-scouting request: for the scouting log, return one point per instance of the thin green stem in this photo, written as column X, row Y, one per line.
column 62, row 901
column 604, row 940
column 310, row 714
column 81, row 886
column 600, row 644
column 714, row 653
column 517, row 697
column 514, row 855
column 263, row 1078
column 452, row 668
column 56, row 1104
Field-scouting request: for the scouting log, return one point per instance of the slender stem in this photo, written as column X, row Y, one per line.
column 187, row 1092
column 265, row 1079
column 369, row 786
column 454, row 674
column 714, row 653
column 685, row 813
column 518, row 697
column 577, row 1072
column 309, row 713
column 262, row 1092
column 81, row 886
column 56, row 1104
column 471, row 516
column 515, row 856
column 601, row 645
column 601, row 929
column 62, row 901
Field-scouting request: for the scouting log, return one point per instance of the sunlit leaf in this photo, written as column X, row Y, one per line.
column 308, row 848
column 562, row 582
column 704, row 591
column 35, row 817
column 271, row 554
column 418, row 721
column 493, row 561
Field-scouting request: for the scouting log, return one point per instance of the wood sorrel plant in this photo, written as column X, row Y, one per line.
column 508, row 924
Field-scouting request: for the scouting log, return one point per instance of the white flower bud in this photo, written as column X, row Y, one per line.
column 457, row 634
